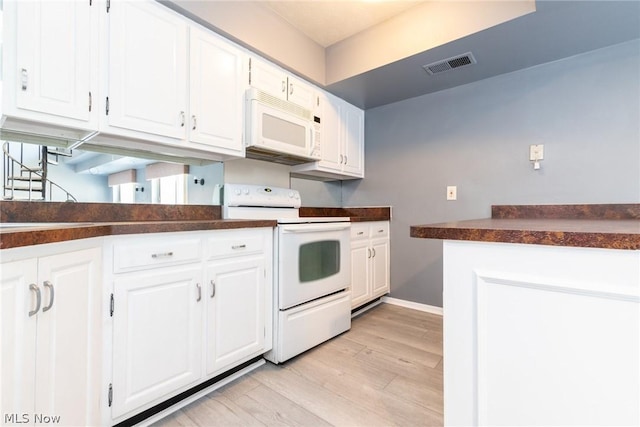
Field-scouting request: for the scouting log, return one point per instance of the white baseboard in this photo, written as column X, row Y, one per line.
column 414, row 305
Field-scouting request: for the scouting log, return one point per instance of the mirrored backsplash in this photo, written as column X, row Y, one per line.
column 106, row 178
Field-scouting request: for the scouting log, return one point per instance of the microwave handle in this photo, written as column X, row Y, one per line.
column 306, row 228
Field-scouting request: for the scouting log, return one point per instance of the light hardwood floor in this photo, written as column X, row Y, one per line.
column 385, row 371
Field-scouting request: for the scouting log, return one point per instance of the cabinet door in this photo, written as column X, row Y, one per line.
column 380, row 267
column 69, row 338
column 235, row 294
column 147, row 69
column 53, row 57
column 268, row 78
column 216, row 92
column 157, row 326
column 331, row 121
column 360, row 289
column 18, row 339
column 353, row 140
column 300, row 93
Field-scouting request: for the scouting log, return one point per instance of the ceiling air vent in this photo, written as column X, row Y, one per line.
column 449, row 64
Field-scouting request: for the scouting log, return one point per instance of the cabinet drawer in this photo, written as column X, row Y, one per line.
column 149, row 252
column 233, row 243
column 379, row 229
column 359, row 231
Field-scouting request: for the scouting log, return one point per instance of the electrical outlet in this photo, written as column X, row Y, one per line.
column 452, row 192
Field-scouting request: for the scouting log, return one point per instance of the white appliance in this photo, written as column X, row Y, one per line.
column 312, row 271
column 279, row 130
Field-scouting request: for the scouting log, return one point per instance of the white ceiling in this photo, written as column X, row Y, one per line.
column 329, row 21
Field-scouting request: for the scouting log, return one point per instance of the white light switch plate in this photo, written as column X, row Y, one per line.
column 536, row 152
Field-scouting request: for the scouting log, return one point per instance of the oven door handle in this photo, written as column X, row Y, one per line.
column 314, row 228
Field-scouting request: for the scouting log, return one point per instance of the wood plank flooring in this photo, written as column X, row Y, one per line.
column 385, row 371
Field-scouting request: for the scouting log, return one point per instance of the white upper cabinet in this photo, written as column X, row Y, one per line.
column 50, row 64
column 271, row 79
column 216, row 92
column 341, row 141
column 147, row 71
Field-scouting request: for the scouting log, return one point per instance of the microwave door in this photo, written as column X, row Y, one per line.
column 282, row 132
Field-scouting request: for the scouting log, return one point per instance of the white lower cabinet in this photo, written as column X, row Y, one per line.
column 235, row 326
column 186, row 308
column 370, row 261
column 157, row 327
column 540, row 335
column 51, row 335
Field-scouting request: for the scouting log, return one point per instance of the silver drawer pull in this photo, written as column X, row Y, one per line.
column 36, row 289
column 360, row 233
column 239, row 246
column 380, row 231
column 213, row 288
column 162, row 255
column 47, row 284
column 199, row 292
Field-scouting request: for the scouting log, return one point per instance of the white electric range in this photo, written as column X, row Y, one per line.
column 312, row 267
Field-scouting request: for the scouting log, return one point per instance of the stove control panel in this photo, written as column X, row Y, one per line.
column 260, row 196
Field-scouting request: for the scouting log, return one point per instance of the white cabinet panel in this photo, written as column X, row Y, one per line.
column 541, row 335
column 342, row 141
column 50, row 67
column 18, row 345
column 235, row 311
column 51, row 340
column 156, row 335
column 353, row 140
column 360, row 289
column 370, row 262
column 66, row 368
column 147, row 69
column 216, row 87
column 271, row 79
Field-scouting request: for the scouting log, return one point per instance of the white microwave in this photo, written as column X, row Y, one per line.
column 279, row 130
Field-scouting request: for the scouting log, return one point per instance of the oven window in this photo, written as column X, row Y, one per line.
column 319, row 260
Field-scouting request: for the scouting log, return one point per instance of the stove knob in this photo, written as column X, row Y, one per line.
column 291, row 194
column 238, row 192
column 246, row 191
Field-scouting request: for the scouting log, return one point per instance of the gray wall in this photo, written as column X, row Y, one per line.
column 584, row 109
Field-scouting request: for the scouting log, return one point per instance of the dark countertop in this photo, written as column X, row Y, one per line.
column 50, row 222
column 13, row 237
column 596, row 226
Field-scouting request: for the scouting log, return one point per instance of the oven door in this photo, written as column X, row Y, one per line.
column 314, row 261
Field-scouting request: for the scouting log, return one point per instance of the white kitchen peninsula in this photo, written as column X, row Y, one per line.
column 541, row 319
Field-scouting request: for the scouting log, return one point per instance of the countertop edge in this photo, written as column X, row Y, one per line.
column 20, row 237
column 584, row 239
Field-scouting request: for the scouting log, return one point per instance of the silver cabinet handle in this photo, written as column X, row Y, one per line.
column 181, row 119
column 193, row 119
column 368, row 252
column 284, row 86
column 47, row 284
column 360, row 233
column 290, row 88
column 346, row 159
column 162, row 255
column 199, row 292
column 25, row 78
column 380, row 231
column 341, row 158
column 374, row 252
column 239, row 246
column 213, row 288
column 36, row 289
